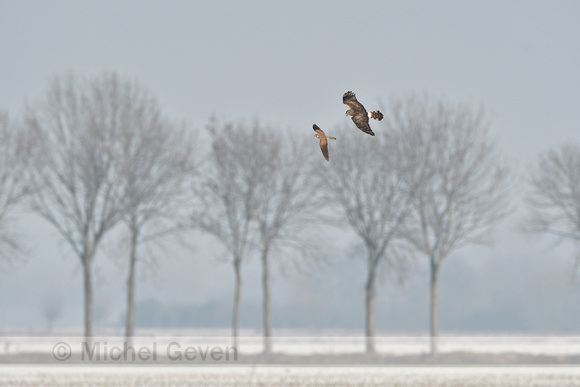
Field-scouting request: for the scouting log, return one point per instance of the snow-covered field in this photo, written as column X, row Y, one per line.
column 299, row 345
column 206, row 360
column 289, row 376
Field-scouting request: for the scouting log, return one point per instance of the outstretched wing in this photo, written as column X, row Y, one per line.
column 349, row 98
column 318, row 130
column 361, row 120
column 323, row 140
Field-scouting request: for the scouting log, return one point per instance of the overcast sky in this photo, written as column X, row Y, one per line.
column 288, row 63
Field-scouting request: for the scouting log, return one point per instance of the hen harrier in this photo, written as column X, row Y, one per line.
column 359, row 114
column 323, row 140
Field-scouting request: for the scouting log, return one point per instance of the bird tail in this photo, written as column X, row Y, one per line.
column 376, row 115
column 331, row 138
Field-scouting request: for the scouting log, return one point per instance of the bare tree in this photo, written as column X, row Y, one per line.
column 363, row 178
column 287, row 201
column 460, row 183
column 13, row 165
column 226, row 204
column 554, row 197
column 155, row 159
column 77, row 186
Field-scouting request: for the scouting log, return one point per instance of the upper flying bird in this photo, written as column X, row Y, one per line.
column 359, row 114
column 323, row 140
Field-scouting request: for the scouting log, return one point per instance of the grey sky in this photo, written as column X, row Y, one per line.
column 288, row 63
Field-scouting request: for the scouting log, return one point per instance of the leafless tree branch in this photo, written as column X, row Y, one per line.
column 553, row 201
column 14, row 152
column 365, row 181
column 460, row 183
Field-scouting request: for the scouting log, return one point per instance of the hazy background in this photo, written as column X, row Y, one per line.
column 288, row 63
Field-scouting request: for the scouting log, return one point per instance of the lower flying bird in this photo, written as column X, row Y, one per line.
column 323, row 140
column 359, row 114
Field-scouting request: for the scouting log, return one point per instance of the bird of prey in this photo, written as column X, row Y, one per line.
column 359, row 114
column 323, row 140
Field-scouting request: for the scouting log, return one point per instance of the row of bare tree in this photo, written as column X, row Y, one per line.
column 98, row 153
column 431, row 184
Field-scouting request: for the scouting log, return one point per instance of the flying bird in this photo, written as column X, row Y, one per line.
column 323, row 140
column 359, row 114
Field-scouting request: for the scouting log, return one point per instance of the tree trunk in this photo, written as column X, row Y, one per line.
column 87, row 277
column 130, row 323
column 237, row 297
column 434, row 306
column 370, row 304
column 267, row 308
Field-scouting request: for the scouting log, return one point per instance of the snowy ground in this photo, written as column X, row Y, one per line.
column 307, row 345
column 289, row 376
column 183, row 360
column 170, row 346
